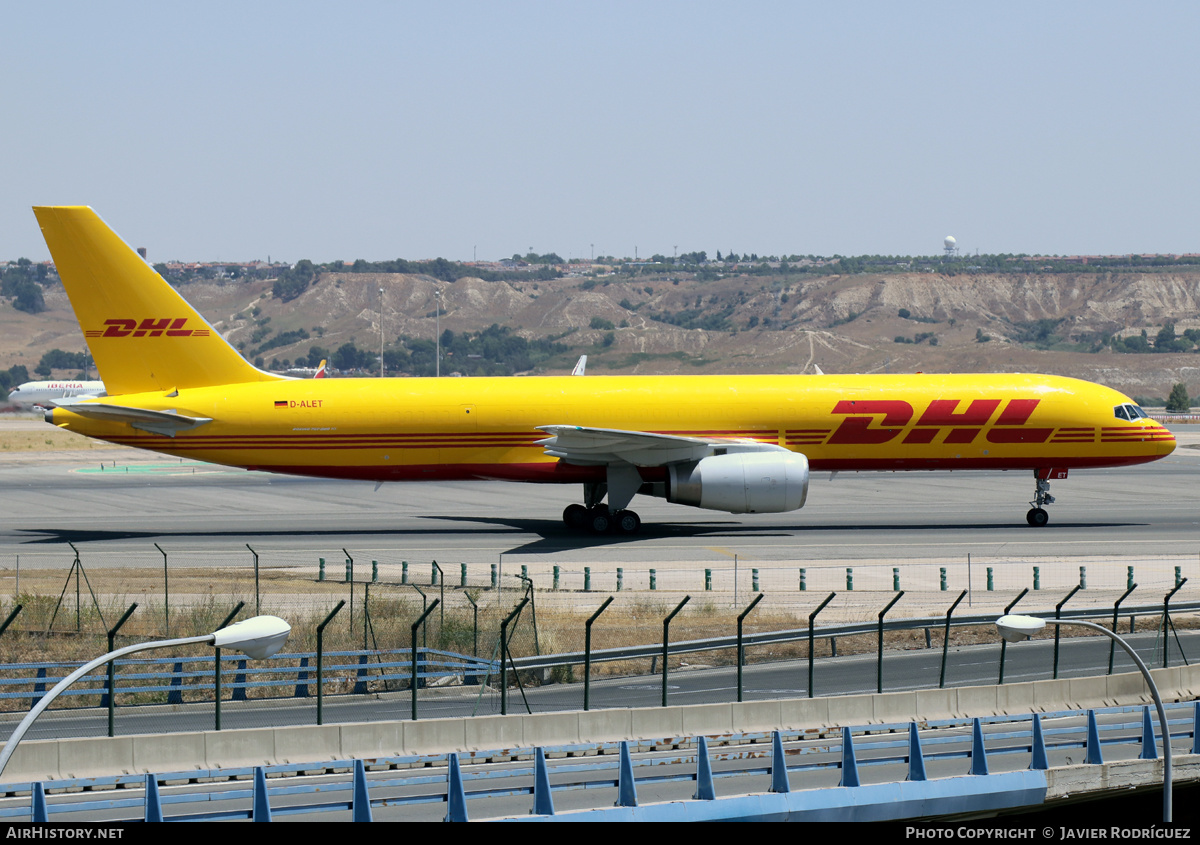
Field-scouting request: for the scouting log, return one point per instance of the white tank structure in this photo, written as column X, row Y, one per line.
column 951, row 246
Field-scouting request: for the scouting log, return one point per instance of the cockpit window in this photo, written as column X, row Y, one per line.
column 1130, row 412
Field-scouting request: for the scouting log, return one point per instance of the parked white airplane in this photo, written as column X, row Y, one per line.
column 46, row 394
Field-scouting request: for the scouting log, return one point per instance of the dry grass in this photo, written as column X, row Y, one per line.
column 47, row 438
column 53, row 629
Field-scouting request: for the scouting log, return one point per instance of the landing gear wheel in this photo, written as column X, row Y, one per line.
column 1037, row 517
column 627, row 522
column 575, row 517
column 599, row 520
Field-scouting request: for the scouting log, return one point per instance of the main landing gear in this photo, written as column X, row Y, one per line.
column 599, row 520
column 595, row 517
column 1037, row 516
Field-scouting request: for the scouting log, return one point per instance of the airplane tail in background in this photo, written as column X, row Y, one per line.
column 143, row 335
column 320, row 370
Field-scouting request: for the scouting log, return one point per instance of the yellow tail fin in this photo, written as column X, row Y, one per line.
column 143, row 335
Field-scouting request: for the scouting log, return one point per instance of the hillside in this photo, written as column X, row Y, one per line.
column 676, row 322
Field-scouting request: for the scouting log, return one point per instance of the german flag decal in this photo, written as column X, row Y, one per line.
column 281, row 403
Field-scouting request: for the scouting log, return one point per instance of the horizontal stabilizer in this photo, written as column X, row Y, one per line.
column 168, row 423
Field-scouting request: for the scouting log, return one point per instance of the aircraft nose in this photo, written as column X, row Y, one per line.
column 1167, row 444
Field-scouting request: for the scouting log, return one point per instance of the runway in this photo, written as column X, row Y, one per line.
column 51, row 498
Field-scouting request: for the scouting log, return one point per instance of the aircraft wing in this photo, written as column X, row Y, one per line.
column 582, row 445
column 168, row 423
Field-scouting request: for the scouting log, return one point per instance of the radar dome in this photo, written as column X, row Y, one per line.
column 950, row 241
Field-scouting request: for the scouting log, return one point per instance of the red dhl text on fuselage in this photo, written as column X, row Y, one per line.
column 486, row 427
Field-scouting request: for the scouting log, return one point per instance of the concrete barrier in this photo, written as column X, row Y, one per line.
column 48, row 760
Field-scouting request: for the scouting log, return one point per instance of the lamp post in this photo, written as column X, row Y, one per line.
column 257, row 638
column 1014, row 628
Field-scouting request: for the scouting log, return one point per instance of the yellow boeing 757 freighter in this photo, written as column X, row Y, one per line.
column 742, row 444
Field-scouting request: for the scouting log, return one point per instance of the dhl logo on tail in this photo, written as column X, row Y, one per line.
column 149, row 327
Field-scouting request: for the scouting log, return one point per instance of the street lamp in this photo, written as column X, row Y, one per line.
column 258, row 637
column 1014, row 628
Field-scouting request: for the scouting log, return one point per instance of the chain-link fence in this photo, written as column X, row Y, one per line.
column 453, row 613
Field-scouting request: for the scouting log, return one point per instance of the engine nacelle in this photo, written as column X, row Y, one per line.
column 742, row 482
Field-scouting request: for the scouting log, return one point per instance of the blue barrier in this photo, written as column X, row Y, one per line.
column 918, row 796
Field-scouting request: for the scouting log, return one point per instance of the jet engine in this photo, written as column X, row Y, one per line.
column 742, row 482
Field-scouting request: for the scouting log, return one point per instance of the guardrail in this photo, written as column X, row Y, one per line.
column 405, row 782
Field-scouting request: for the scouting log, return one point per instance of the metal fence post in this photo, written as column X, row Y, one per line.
column 1004, row 642
column 415, row 682
column 217, row 665
column 946, row 640
column 11, row 617
column 475, row 625
column 504, row 655
column 587, row 652
column 350, row 580
column 1058, row 628
column 1166, row 620
column 666, row 638
column 741, row 652
column 1112, row 644
column 112, row 681
column 166, row 594
column 321, row 661
column 424, row 606
column 439, row 581
column 879, row 666
column 257, row 597
column 811, row 618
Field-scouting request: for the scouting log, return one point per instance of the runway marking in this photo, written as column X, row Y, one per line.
column 191, row 468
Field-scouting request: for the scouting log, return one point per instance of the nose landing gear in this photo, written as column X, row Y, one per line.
column 1037, row 516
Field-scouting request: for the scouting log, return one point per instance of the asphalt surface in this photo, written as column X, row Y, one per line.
column 53, row 498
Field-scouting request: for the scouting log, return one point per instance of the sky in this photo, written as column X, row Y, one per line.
column 237, row 131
